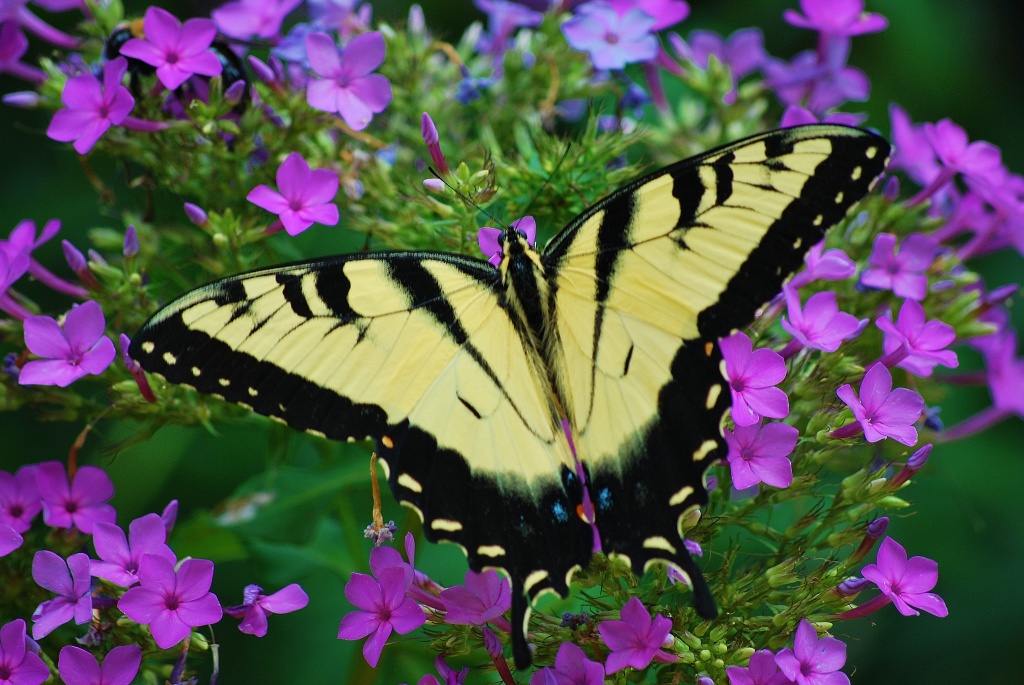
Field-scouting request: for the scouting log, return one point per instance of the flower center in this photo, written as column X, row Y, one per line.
column 172, row 58
column 737, row 384
column 611, row 38
column 5, row 673
column 16, row 511
column 171, row 603
column 71, row 507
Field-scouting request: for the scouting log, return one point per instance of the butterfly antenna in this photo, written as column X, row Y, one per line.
column 465, row 198
column 547, row 181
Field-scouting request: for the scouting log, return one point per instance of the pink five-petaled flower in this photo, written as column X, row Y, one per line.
column 172, row 602
column 10, row 539
column 71, row 581
column 752, row 376
column 82, row 503
column 612, row 40
column 19, row 498
column 637, row 639
column 758, row 454
column 914, row 344
column 881, row 411
column 383, row 608
column 484, row 597
column 825, row 265
column 813, row 660
column 79, row 667
column 256, row 606
column 91, row 108
column 348, row 85
column 572, row 667
column 489, row 238
column 762, row 670
column 903, row 271
column 905, row 582
column 665, row 12
column 120, row 555
column 978, row 159
column 304, row 198
column 248, row 18
column 836, row 17
column 70, row 352
column 819, row 325
column 176, row 50
column 18, row 666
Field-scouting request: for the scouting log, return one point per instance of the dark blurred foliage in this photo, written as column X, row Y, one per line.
column 937, row 59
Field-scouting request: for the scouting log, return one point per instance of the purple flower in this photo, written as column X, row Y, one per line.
column 901, row 271
column 430, row 137
column 305, row 195
column 124, row 342
column 503, row 18
column 23, row 241
column 881, row 411
column 795, row 115
column 176, row 50
column 758, row 454
column 950, row 142
column 71, row 581
column 821, row 86
column 912, row 151
column 572, row 667
column 13, row 46
column 348, row 85
column 19, row 498
column 743, row 51
column 383, row 608
column 248, row 18
column 172, row 602
column 79, row 667
column 752, row 376
column 836, row 17
column 914, row 344
column 120, row 556
column 906, row 582
column 256, row 607
column 819, row 325
column 813, row 661
column 611, row 39
column 636, row 640
column 484, row 597
column 762, row 670
column 71, row 352
column 18, row 665
column 825, row 265
column 92, row 108
column 488, row 238
column 82, row 504
column 665, row 12
column 10, row 539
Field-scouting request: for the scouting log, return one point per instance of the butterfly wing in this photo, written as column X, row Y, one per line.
column 648, row 279
column 414, row 350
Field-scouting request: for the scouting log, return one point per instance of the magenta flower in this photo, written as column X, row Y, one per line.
column 348, row 85
column 304, row 198
column 503, row 18
column 813, row 660
column 19, row 498
column 742, row 52
column 79, row 667
column 978, row 159
column 248, row 18
column 905, row 582
column 665, row 12
column 23, row 241
column 176, row 50
column 82, row 503
column 752, row 376
column 912, row 151
column 795, row 115
column 172, row 602
column 762, row 670
column 881, row 412
column 92, row 108
column 637, row 639
column 758, row 454
column 120, row 556
column 18, row 665
column 819, row 325
column 484, row 597
column 430, row 137
column 256, row 607
column 12, row 267
column 490, row 245
column 572, row 667
column 824, row 265
column 10, row 539
column 71, row 352
column 71, row 581
column 901, row 271
column 383, row 608
column 836, row 17
column 914, row 344
column 13, row 46
column 612, row 40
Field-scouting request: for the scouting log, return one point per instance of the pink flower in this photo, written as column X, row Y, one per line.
column 906, row 582
column 120, row 556
column 881, row 412
column 82, row 504
column 19, row 498
column 383, row 608
column 572, row 667
column 914, row 344
column 304, row 198
column 71, row 581
column 348, row 85
column 637, row 639
column 176, row 50
column 79, row 667
column 21, row 666
column 761, row 670
column 752, row 376
column 901, row 271
column 813, row 660
column 10, row 539
column 256, row 607
column 819, row 325
column 484, row 597
column 91, row 108
column 489, row 238
column 759, row 454
column 70, row 351
column 248, row 18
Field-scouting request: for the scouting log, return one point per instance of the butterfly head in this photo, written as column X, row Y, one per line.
column 519, row 238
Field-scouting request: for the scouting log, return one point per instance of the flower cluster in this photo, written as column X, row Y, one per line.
column 277, row 125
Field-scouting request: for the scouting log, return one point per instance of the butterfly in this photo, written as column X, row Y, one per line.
column 562, row 402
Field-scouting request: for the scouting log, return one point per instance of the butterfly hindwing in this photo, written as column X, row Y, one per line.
column 648, row 279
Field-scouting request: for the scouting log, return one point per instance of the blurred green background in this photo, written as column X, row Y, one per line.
column 938, row 59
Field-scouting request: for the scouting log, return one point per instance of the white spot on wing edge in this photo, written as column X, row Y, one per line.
column 532, row 579
column 170, row 358
column 409, row 483
column 148, row 347
column 713, row 393
column 446, row 524
column 489, row 550
column 680, row 496
column 705, row 448
column 659, row 542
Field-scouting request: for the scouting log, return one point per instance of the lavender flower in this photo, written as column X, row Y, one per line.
column 19, row 498
column 176, row 50
column 914, row 344
column 665, row 12
column 902, row 270
column 836, row 17
column 92, row 108
column 824, row 265
column 71, row 581
column 348, row 85
column 881, row 411
column 758, row 454
column 82, row 503
column 10, row 539
column 742, row 52
column 79, row 667
column 813, row 660
column 19, row 666
column 70, row 352
column 256, row 607
column 120, row 556
column 761, row 670
column 819, row 325
column 636, row 639
column 752, row 376
column 906, row 582
column 484, row 598
column 912, row 151
column 612, row 40
column 572, row 667
column 304, row 198
column 383, row 608
column 488, row 237
column 248, row 18
column 503, row 18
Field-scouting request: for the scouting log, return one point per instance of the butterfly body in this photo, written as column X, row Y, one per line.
column 464, row 373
